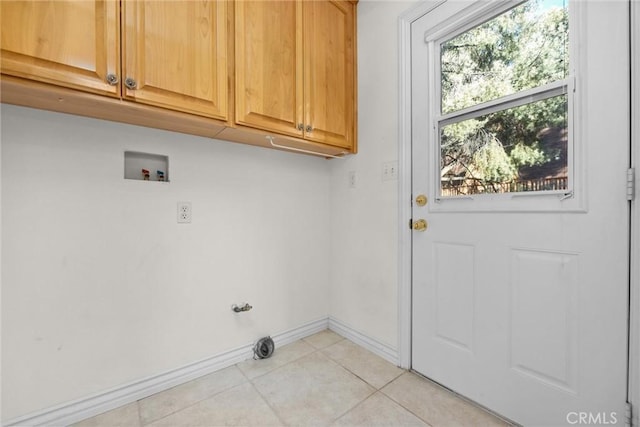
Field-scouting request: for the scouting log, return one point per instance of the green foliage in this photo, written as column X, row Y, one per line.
column 492, row 162
column 524, row 155
column 524, row 48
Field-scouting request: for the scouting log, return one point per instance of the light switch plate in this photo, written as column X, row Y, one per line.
column 390, row 171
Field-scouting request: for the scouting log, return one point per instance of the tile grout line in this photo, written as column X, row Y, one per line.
column 244, row 376
column 359, row 377
column 278, row 367
column 139, row 413
column 392, row 400
column 349, row 369
column 192, row 404
column 355, row 406
column 353, row 409
column 376, row 389
column 314, row 350
column 251, row 380
column 401, row 405
column 465, row 399
column 336, row 363
column 404, row 371
column 328, row 358
column 264, row 399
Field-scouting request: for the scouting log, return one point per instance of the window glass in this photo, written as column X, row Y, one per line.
column 523, row 48
column 514, row 150
column 518, row 144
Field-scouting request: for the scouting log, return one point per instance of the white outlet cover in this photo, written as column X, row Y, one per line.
column 184, row 212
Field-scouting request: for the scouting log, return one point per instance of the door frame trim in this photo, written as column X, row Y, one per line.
column 634, row 294
column 405, row 21
column 404, row 180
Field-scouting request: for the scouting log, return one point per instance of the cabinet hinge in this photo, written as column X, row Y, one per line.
column 411, row 224
column 631, row 183
column 628, row 421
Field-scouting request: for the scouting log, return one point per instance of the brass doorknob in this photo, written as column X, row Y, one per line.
column 421, row 200
column 420, row 225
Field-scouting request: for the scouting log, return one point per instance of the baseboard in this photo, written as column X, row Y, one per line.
column 300, row 332
column 81, row 409
column 383, row 350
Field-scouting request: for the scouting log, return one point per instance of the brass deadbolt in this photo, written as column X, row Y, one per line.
column 421, row 200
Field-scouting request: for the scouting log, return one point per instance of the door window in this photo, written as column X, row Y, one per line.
column 503, row 87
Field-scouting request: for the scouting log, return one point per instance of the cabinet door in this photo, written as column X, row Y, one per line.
column 269, row 65
column 175, row 55
column 329, row 67
column 67, row 43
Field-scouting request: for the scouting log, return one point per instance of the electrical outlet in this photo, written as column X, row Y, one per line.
column 353, row 179
column 184, row 212
column 390, row 171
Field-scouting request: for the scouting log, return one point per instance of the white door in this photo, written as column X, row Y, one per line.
column 520, row 299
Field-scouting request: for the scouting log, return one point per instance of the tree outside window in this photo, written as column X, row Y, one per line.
column 503, row 125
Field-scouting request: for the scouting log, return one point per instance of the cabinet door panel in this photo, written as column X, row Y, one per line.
column 269, row 65
column 176, row 52
column 329, row 83
column 67, row 43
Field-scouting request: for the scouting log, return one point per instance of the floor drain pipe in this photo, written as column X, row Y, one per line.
column 264, row 348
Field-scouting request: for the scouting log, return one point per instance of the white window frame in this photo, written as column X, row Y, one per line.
column 471, row 15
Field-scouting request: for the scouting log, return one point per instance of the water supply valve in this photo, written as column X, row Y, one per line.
column 240, row 309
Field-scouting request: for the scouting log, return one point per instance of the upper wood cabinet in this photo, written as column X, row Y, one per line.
column 286, row 68
column 175, row 55
column 75, row 44
column 295, row 69
column 268, row 62
column 329, row 72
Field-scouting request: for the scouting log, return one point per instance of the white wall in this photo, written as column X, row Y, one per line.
column 364, row 219
column 1, row 266
column 101, row 286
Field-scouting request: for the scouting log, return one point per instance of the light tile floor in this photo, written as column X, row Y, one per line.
column 323, row 379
